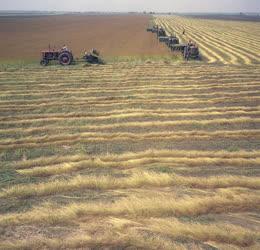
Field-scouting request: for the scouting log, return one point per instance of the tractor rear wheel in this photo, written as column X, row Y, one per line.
column 65, row 58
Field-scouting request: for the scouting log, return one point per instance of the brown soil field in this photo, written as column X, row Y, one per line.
column 113, row 35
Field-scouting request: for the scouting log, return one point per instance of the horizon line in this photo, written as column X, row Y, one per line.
column 140, row 11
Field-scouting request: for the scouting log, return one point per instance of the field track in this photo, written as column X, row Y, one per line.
column 162, row 155
column 221, row 41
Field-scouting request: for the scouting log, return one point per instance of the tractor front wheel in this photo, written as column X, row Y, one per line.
column 44, row 62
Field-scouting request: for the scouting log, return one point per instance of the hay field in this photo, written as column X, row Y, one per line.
column 222, row 41
column 130, row 155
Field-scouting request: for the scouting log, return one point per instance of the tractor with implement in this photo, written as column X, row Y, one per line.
column 189, row 51
column 64, row 57
column 161, row 33
column 172, row 40
column 153, row 29
column 169, row 40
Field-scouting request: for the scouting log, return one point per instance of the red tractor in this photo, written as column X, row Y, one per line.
column 64, row 56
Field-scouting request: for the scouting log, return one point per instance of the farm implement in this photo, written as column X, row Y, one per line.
column 154, row 29
column 64, row 56
column 189, row 50
column 93, row 57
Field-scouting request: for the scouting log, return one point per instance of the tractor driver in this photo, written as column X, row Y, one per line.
column 64, row 48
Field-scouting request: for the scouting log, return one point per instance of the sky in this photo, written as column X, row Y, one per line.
column 134, row 5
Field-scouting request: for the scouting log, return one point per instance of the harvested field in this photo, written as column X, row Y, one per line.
column 141, row 154
column 228, row 17
column 119, row 35
column 84, row 151
column 220, row 41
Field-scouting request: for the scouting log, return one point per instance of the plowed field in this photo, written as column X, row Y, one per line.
column 119, row 35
